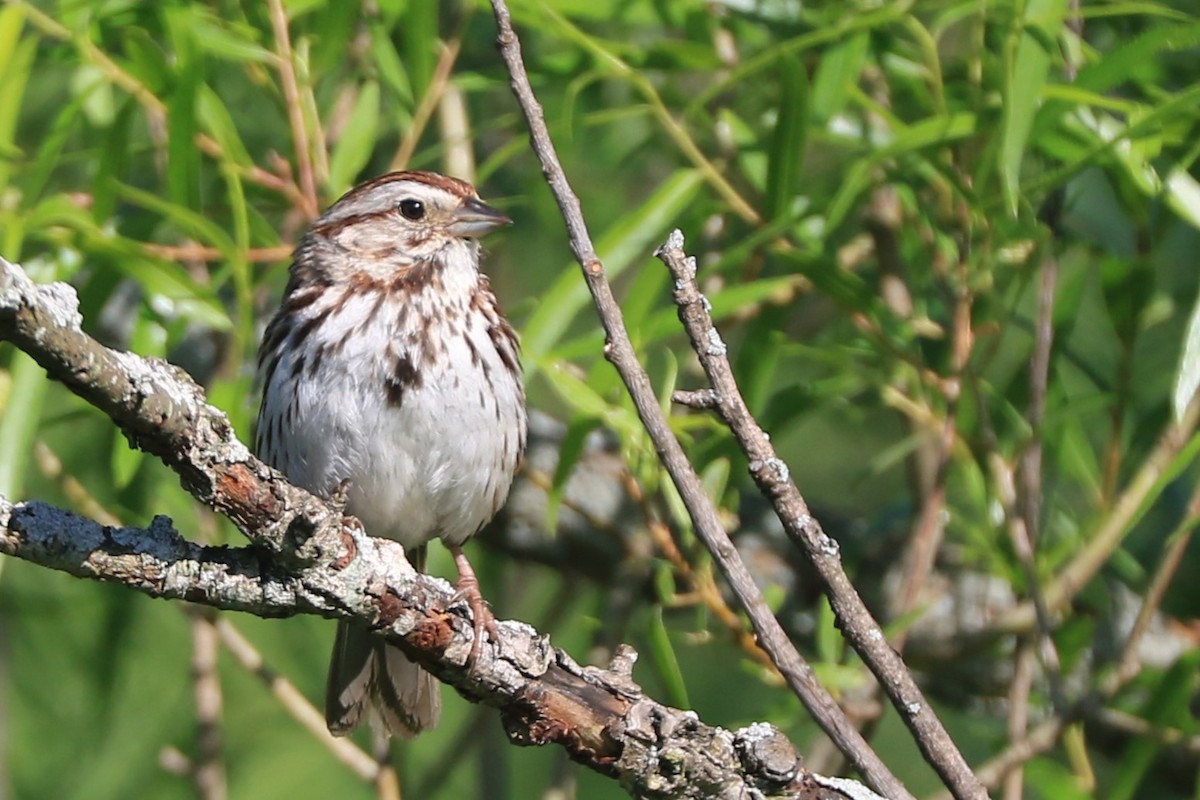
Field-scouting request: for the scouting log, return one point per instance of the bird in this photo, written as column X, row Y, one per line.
column 390, row 375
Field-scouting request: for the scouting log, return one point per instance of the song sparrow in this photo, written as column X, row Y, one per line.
column 389, row 370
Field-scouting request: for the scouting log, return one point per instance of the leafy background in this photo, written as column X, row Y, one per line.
column 874, row 192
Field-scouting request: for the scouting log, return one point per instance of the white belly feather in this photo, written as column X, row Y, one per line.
column 439, row 462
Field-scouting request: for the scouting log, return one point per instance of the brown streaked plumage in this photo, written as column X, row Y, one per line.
column 390, row 367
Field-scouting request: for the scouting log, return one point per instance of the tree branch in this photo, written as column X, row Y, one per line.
column 619, row 350
column 311, row 560
column 771, row 474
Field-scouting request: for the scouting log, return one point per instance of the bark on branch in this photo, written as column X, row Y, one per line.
column 307, row 558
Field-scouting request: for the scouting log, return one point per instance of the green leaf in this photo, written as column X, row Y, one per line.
column 788, row 138
column 124, row 461
column 391, row 68
column 420, row 32
column 1167, row 708
column 569, row 453
column 575, row 391
column 931, row 132
column 12, row 21
column 1026, row 75
column 92, row 86
column 715, row 479
column 662, row 652
column 183, row 157
column 1140, row 54
column 113, row 158
column 22, row 410
column 218, row 122
column 49, row 153
column 1187, row 378
column 829, row 641
column 229, row 40
column 12, row 90
column 191, row 223
column 630, row 239
column 838, row 71
column 354, row 149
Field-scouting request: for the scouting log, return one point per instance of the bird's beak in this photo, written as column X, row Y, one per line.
column 475, row 218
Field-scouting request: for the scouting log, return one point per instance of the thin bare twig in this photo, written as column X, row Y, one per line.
column 208, row 767
column 291, row 94
column 1104, row 538
column 196, row 252
column 771, row 474
column 1018, row 713
column 619, row 350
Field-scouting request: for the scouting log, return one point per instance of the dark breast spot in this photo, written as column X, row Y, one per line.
column 403, row 378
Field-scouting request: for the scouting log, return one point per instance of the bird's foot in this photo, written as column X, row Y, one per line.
column 482, row 618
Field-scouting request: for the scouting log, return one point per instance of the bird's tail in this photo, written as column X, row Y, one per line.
column 367, row 673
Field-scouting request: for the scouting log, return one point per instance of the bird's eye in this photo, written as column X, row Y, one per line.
column 412, row 209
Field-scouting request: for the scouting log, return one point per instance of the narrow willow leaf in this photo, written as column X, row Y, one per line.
column 836, row 74
column 1124, row 62
column 183, row 158
column 51, row 147
column 12, row 20
column 1187, row 379
column 788, row 138
column 229, row 40
column 633, row 237
column 391, row 68
column 569, row 453
column 192, row 223
column 420, row 31
column 114, row 156
column 666, row 662
column 353, row 150
column 1026, row 76
column 12, row 90
column 218, row 122
column 19, row 421
column 932, row 132
column 1166, row 709
column 581, row 397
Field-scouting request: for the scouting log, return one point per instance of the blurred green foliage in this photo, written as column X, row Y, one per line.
column 873, row 192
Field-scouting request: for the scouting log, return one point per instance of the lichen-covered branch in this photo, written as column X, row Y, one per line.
column 161, row 410
column 306, row 558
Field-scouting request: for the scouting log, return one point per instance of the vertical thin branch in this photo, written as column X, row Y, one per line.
column 1168, row 565
column 619, row 350
column 208, row 767
column 1018, row 713
column 387, row 782
column 771, row 475
column 291, row 94
column 931, row 527
column 1026, row 512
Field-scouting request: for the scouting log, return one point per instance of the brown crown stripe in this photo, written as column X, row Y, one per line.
column 444, row 182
